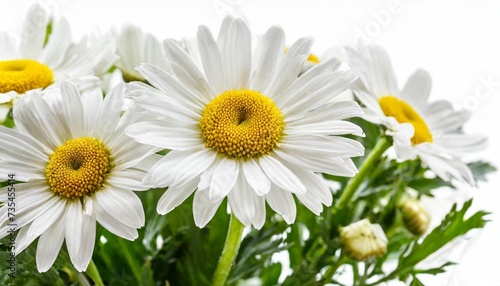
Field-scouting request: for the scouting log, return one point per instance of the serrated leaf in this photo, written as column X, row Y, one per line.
column 435, row 271
column 480, row 169
column 452, row 226
column 416, row 282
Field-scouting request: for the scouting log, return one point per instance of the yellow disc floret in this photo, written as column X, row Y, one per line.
column 23, row 75
column 404, row 113
column 313, row 59
column 78, row 167
column 241, row 123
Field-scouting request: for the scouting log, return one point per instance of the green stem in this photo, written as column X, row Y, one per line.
column 367, row 166
column 327, row 277
column 130, row 260
column 93, row 273
column 228, row 256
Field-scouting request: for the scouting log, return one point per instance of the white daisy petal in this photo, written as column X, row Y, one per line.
column 318, row 75
column 289, row 68
column 333, row 127
column 91, row 102
column 223, row 179
column 162, row 137
column 417, row 89
column 222, row 37
column 241, row 201
column 123, row 205
column 269, row 48
column 333, row 111
column 176, row 194
column 260, row 211
column 193, row 165
column 17, row 146
column 160, row 173
column 74, row 229
column 60, row 40
column 40, row 225
column 374, row 67
column 203, row 208
column 88, row 241
column 448, row 168
column 327, row 145
column 109, row 113
column 114, row 225
column 281, row 175
column 323, row 164
column 159, row 103
column 33, row 119
column 211, row 59
column 282, row 202
column 318, row 96
column 256, row 178
column 34, row 31
column 461, row 143
column 236, row 54
column 72, row 108
column 49, row 244
column 171, row 86
column 186, row 69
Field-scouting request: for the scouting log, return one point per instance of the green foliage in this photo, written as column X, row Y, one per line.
column 452, row 226
column 480, row 169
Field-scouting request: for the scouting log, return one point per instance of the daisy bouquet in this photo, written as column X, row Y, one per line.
column 229, row 159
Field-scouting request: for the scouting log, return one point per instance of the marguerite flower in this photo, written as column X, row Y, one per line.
column 135, row 47
column 245, row 126
column 45, row 55
column 431, row 131
column 78, row 168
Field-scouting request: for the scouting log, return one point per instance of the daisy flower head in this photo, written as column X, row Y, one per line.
column 242, row 124
column 133, row 47
column 431, row 131
column 44, row 54
column 76, row 167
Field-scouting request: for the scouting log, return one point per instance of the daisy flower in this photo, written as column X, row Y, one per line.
column 429, row 131
column 245, row 126
column 44, row 55
column 134, row 47
column 77, row 168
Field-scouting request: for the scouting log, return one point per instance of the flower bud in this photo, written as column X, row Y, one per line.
column 362, row 240
column 415, row 218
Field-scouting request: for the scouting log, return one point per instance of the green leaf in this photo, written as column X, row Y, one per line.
column 416, row 282
column 271, row 274
column 452, row 226
column 480, row 169
column 435, row 271
column 425, row 185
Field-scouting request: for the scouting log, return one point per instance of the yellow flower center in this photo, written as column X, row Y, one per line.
column 23, row 75
column 404, row 113
column 313, row 59
column 241, row 123
column 78, row 167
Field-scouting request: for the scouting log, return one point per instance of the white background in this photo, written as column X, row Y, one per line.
column 458, row 42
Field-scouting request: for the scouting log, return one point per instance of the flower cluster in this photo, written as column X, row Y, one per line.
column 221, row 124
